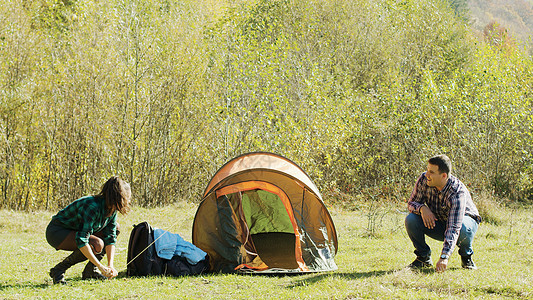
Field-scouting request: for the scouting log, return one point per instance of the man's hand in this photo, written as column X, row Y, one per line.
column 442, row 264
column 427, row 216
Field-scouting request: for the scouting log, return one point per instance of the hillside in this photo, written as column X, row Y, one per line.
column 515, row 15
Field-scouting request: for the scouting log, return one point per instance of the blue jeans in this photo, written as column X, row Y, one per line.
column 417, row 233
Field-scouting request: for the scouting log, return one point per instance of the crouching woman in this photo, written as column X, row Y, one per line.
column 88, row 227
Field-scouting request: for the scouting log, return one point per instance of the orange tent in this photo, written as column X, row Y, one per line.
column 262, row 213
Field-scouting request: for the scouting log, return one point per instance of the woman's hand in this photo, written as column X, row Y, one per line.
column 110, row 252
column 113, row 273
column 106, row 271
column 109, row 271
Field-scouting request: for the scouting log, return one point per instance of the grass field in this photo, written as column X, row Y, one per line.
column 370, row 265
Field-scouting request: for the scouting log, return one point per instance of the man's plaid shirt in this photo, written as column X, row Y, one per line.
column 449, row 205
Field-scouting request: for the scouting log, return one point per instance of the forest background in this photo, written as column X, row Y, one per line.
column 163, row 93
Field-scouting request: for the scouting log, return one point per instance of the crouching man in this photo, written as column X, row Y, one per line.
column 441, row 208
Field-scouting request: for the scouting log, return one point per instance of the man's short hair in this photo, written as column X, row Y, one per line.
column 443, row 162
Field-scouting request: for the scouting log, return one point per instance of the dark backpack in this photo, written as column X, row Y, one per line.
column 180, row 266
column 142, row 257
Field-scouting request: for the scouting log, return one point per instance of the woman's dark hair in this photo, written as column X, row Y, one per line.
column 116, row 193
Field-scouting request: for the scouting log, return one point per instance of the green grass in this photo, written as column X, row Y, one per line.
column 369, row 267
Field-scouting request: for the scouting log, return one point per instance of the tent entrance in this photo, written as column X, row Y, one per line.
column 276, row 249
column 272, row 229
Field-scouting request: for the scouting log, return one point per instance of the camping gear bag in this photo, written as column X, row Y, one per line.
column 143, row 259
column 179, row 266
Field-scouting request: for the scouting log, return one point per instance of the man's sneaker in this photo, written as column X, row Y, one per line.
column 420, row 263
column 468, row 263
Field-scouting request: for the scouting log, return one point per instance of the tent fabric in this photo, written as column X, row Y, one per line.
column 266, row 208
column 261, row 160
column 262, row 213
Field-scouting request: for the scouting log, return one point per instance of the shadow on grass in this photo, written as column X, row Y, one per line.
column 70, row 281
column 312, row 279
column 24, row 285
column 48, row 284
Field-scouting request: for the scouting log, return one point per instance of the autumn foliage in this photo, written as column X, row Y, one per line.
column 163, row 93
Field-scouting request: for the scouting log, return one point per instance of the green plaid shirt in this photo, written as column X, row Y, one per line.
column 87, row 216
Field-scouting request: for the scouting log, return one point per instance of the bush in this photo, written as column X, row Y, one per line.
column 163, row 93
